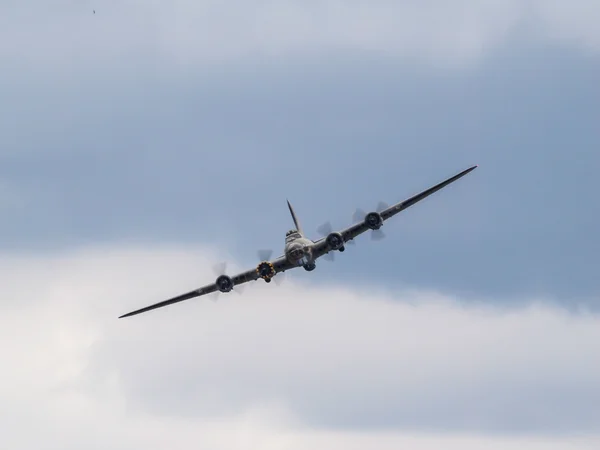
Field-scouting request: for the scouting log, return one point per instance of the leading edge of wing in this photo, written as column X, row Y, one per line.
column 280, row 264
column 395, row 209
column 198, row 292
column 358, row 228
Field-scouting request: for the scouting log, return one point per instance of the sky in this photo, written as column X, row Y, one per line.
column 144, row 143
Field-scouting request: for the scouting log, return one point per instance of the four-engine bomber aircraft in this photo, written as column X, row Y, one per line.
column 300, row 251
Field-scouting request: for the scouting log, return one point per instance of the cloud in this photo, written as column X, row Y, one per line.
column 282, row 365
column 185, row 34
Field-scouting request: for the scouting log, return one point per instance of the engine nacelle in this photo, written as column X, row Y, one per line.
column 374, row 220
column 265, row 270
column 335, row 241
column 224, row 283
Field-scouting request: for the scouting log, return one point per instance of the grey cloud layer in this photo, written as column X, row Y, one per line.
column 185, row 32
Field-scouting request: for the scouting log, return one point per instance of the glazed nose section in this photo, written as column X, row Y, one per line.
column 296, row 251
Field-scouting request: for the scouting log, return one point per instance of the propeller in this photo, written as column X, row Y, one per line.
column 324, row 231
column 326, row 228
column 220, row 268
column 359, row 216
column 382, row 206
column 264, row 255
column 377, row 235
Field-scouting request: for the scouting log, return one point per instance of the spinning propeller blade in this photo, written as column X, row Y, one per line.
column 239, row 289
column 220, row 268
column 325, row 229
column 382, row 206
column 377, row 235
column 264, row 255
column 359, row 216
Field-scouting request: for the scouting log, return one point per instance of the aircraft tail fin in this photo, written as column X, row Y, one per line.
column 294, row 217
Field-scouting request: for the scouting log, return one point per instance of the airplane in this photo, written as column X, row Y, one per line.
column 300, row 251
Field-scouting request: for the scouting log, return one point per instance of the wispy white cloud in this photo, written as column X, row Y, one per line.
column 270, row 367
column 67, row 36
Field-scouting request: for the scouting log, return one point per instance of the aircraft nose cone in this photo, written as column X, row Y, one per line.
column 297, row 251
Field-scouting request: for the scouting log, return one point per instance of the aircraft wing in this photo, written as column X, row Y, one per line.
column 279, row 265
column 320, row 247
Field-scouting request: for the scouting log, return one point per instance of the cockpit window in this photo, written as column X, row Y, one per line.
column 291, row 235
